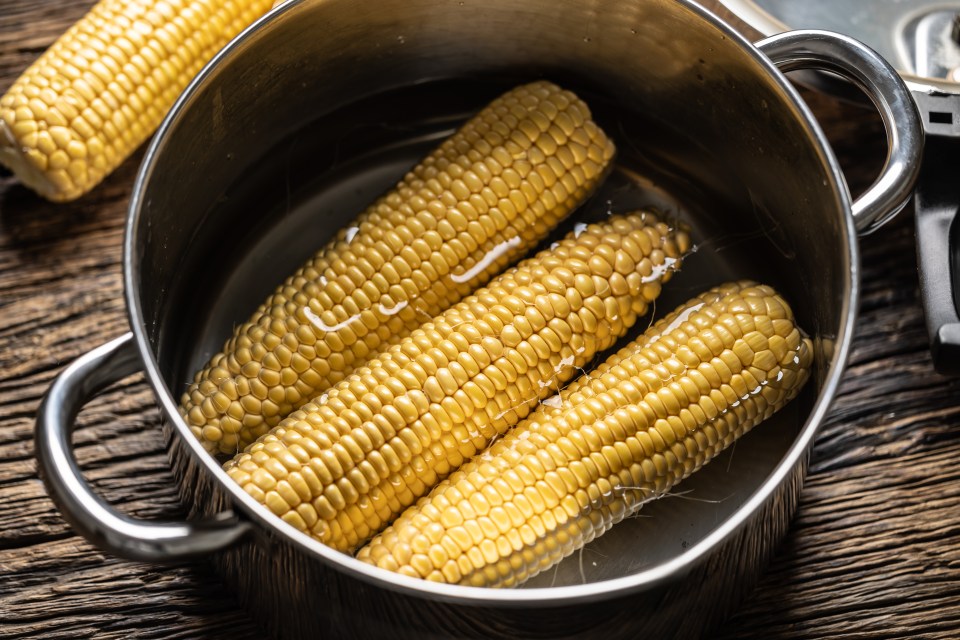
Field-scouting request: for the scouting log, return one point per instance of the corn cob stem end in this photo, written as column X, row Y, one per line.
column 12, row 157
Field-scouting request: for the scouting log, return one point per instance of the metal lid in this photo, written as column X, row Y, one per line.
column 921, row 38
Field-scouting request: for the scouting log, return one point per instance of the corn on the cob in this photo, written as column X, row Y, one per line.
column 486, row 195
column 624, row 434
column 103, row 87
column 343, row 467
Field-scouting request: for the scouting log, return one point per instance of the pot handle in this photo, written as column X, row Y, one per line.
column 853, row 60
column 88, row 513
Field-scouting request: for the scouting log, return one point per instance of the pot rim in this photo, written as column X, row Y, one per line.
column 543, row 596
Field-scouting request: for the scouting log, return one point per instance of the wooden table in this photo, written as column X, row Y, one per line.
column 874, row 551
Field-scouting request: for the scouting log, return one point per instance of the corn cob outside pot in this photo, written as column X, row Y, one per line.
column 343, row 467
column 488, row 194
column 104, row 86
column 623, row 435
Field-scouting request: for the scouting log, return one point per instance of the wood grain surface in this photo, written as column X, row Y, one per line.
column 873, row 552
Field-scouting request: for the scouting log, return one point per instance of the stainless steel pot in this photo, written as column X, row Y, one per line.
column 308, row 114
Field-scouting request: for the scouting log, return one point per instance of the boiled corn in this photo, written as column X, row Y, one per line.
column 81, row 108
column 485, row 196
column 623, row 435
column 343, row 467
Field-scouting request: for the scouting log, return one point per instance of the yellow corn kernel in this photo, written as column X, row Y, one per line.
column 386, row 434
column 469, row 209
column 104, row 86
column 614, row 440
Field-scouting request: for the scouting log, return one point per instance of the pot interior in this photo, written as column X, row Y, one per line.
column 305, row 122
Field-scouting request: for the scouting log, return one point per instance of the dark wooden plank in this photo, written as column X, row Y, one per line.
column 874, row 551
column 63, row 589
